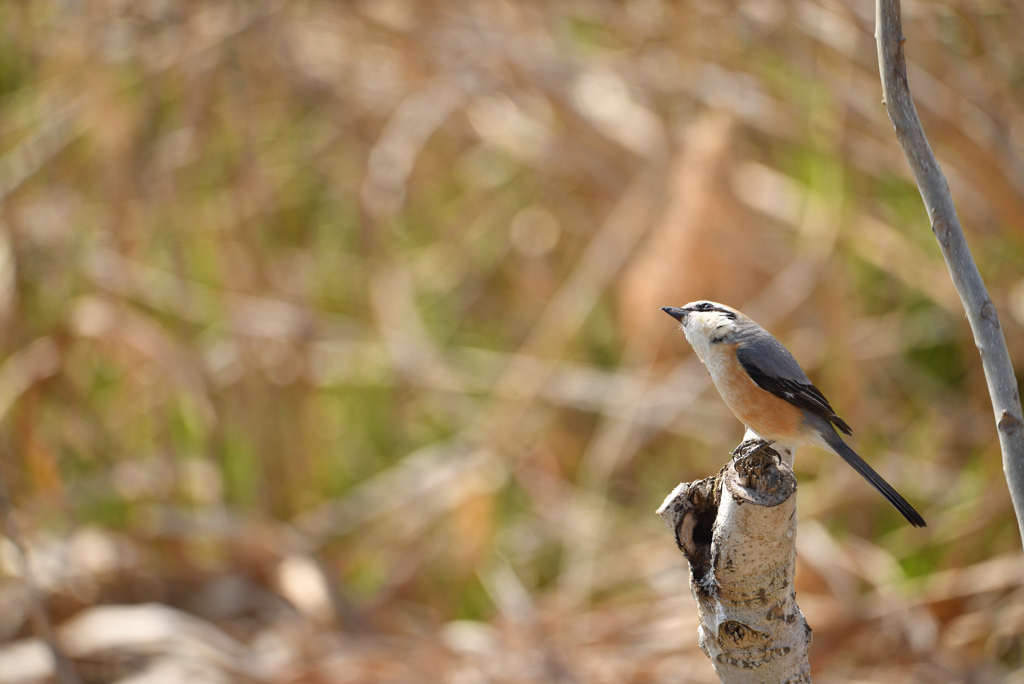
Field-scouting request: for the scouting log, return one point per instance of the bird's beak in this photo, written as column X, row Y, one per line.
column 678, row 314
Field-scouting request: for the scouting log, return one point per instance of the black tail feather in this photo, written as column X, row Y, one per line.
column 876, row 481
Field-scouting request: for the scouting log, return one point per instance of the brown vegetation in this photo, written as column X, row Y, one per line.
column 333, row 348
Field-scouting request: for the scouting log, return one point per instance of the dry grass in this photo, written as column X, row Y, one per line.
column 333, row 342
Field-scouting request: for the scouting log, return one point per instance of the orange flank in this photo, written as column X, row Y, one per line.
column 766, row 414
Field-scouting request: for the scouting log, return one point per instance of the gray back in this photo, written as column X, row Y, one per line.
column 759, row 348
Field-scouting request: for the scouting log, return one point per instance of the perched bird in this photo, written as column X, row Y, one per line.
column 767, row 390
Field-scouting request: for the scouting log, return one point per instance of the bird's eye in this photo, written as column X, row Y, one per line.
column 704, row 306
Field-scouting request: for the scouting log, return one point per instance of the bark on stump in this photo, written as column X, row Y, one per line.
column 738, row 532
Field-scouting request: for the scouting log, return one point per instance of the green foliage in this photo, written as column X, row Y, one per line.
column 227, row 280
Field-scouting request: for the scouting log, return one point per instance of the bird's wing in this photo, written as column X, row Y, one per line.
column 773, row 369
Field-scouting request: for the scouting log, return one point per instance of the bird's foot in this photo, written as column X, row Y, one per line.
column 761, row 446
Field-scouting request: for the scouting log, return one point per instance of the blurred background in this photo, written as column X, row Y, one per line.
column 332, row 347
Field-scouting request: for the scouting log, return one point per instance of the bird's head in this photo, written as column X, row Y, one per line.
column 705, row 322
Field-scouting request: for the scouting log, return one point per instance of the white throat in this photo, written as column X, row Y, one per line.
column 703, row 327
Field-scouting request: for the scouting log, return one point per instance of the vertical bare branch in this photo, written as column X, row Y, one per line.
column 981, row 313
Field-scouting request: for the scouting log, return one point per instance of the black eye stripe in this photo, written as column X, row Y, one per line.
column 708, row 306
column 728, row 314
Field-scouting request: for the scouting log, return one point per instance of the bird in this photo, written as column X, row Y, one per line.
column 768, row 391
